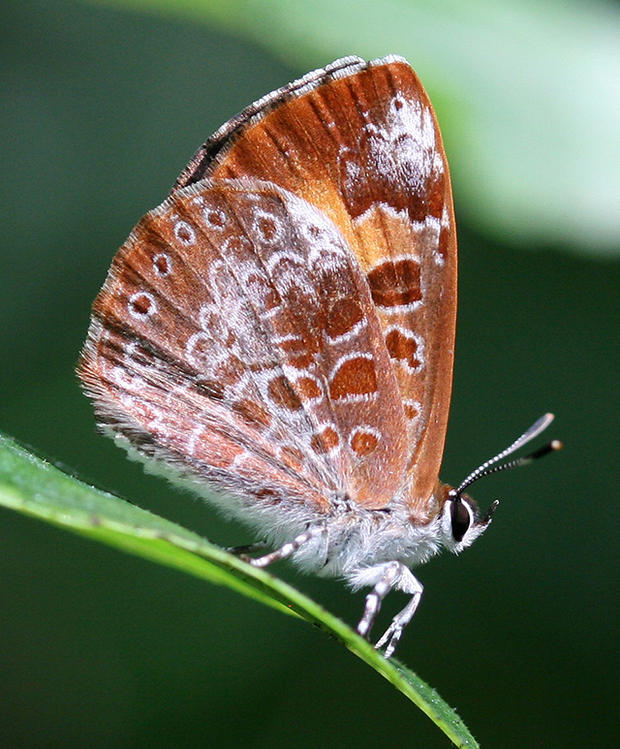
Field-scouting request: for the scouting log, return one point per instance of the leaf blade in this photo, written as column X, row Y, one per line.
column 36, row 488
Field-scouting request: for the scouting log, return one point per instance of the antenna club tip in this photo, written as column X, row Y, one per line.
column 488, row 515
column 556, row 445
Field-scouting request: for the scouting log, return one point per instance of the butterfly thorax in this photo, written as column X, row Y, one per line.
column 357, row 538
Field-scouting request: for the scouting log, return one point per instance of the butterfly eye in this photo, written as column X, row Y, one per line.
column 461, row 519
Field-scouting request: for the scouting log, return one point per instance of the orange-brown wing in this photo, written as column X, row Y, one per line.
column 235, row 340
column 360, row 142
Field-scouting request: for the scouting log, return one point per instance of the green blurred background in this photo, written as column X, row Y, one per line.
column 101, row 107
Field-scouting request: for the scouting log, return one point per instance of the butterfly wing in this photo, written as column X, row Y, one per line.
column 178, row 424
column 361, row 143
column 235, row 341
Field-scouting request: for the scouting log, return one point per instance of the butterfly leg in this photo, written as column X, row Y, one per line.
column 288, row 548
column 410, row 584
column 390, row 574
column 243, row 551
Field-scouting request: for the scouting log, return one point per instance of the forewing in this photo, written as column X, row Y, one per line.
column 361, row 143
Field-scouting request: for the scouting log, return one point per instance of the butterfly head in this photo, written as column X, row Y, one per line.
column 461, row 521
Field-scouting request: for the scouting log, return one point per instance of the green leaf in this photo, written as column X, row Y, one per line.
column 34, row 487
column 524, row 92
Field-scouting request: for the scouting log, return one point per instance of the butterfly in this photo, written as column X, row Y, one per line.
column 278, row 335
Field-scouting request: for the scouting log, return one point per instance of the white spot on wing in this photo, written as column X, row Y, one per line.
column 137, row 298
column 215, row 218
column 162, row 264
column 268, row 228
column 406, row 148
column 184, row 233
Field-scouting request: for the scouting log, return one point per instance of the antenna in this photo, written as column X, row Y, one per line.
column 491, row 466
